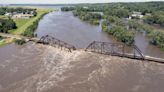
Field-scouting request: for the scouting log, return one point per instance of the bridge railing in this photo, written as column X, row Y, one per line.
column 116, row 49
column 49, row 40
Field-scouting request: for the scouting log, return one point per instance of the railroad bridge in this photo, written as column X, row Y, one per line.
column 49, row 40
column 114, row 49
column 107, row 48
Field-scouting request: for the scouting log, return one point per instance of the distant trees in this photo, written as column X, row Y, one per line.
column 3, row 10
column 155, row 18
column 158, row 39
column 68, row 8
column 29, row 32
column 122, row 34
column 6, row 25
column 115, row 20
column 91, row 17
column 121, row 13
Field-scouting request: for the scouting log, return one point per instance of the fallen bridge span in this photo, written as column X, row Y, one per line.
column 49, row 40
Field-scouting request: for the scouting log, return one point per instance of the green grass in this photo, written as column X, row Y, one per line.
column 23, row 24
column 5, row 41
column 3, row 17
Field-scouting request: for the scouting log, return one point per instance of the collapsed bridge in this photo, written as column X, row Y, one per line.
column 114, row 49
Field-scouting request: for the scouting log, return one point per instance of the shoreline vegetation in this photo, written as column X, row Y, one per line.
column 5, row 41
column 25, row 27
column 33, row 24
column 124, row 20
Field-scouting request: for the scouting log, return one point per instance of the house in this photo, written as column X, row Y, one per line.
column 23, row 16
column 8, row 14
column 136, row 15
column 85, row 7
column 101, row 13
column 148, row 14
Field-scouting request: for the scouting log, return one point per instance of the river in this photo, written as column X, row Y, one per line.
column 66, row 27
column 38, row 68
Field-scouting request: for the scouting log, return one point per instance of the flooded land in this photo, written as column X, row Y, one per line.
column 66, row 27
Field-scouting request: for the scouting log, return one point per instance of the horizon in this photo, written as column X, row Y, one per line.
column 74, row 2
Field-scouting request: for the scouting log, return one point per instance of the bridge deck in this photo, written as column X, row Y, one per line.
column 97, row 47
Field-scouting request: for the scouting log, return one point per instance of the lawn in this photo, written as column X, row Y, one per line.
column 3, row 17
column 23, row 24
column 5, row 41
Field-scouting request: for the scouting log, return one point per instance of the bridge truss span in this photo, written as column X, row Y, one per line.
column 49, row 40
column 115, row 49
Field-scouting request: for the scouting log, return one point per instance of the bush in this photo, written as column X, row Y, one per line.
column 158, row 39
column 121, row 34
column 20, row 42
column 29, row 32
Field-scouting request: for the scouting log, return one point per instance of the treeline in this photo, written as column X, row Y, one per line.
column 119, row 32
column 67, row 8
column 91, row 17
column 4, row 10
column 117, row 22
column 85, row 14
column 29, row 32
column 158, row 39
column 6, row 25
column 155, row 18
column 1, row 37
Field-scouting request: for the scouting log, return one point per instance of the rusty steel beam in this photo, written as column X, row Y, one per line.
column 49, row 40
column 117, row 49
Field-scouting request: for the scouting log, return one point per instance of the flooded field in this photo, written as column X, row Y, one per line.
column 38, row 68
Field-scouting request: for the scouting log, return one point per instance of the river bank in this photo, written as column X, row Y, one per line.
column 23, row 24
column 26, row 27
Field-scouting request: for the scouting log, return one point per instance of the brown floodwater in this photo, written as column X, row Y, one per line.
column 66, row 27
column 38, row 68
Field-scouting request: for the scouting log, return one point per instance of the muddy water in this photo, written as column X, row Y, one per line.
column 66, row 27
column 38, row 68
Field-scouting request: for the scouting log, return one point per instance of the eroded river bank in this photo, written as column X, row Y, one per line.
column 39, row 68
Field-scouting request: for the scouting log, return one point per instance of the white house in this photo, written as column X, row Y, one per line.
column 8, row 14
column 136, row 15
column 23, row 16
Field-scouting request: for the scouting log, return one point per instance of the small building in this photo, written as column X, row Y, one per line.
column 101, row 13
column 23, row 16
column 85, row 7
column 148, row 14
column 8, row 14
column 136, row 15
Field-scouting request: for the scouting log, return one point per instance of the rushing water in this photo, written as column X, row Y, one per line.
column 66, row 27
column 38, row 68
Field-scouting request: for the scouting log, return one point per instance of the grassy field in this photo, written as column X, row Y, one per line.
column 23, row 24
column 5, row 41
column 3, row 17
